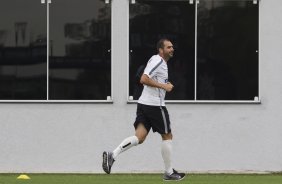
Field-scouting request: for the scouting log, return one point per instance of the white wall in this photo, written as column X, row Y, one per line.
column 38, row 137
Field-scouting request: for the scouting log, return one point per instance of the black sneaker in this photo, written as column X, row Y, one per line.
column 108, row 161
column 175, row 176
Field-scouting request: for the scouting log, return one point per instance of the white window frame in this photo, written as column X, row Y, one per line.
column 109, row 99
column 256, row 100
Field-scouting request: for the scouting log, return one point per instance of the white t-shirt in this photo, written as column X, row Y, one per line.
column 157, row 70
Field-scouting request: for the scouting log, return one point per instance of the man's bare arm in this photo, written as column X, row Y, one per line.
column 149, row 82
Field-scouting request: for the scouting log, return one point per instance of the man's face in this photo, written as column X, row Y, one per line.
column 168, row 49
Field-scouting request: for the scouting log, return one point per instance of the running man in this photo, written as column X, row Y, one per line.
column 151, row 112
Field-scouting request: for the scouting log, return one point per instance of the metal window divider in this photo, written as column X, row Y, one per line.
column 196, row 49
column 48, row 50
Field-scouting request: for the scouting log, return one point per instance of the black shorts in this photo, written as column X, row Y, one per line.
column 154, row 117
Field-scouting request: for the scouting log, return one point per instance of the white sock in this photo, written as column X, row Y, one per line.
column 166, row 154
column 125, row 145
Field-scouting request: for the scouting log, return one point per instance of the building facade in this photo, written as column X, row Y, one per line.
column 86, row 103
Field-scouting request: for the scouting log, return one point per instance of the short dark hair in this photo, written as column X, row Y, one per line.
column 160, row 44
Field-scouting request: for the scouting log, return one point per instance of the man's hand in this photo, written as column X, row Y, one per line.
column 168, row 87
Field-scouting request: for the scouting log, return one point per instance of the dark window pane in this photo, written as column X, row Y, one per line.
column 151, row 20
column 80, row 42
column 23, row 50
column 227, row 50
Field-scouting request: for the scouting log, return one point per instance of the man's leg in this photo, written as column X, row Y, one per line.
column 139, row 137
column 170, row 173
column 166, row 150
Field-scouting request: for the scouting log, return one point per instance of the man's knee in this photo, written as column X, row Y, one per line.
column 167, row 136
column 141, row 133
column 141, row 139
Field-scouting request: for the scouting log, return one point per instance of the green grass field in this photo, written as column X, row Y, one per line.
column 141, row 179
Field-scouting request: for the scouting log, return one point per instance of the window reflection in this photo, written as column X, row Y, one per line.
column 151, row 20
column 227, row 50
column 23, row 50
column 80, row 42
